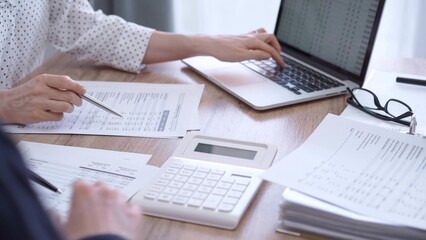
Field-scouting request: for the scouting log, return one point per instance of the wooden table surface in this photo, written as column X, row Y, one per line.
column 220, row 115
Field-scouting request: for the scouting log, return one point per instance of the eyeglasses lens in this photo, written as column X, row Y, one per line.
column 364, row 98
column 396, row 108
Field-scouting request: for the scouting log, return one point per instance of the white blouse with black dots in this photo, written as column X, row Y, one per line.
column 72, row 26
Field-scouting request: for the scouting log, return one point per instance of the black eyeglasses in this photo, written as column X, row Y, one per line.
column 366, row 101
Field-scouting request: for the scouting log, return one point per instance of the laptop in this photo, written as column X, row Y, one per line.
column 326, row 45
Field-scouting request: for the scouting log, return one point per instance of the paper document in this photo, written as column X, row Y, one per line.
column 62, row 165
column 363, row 168
column 384, row 85
column 149, row 110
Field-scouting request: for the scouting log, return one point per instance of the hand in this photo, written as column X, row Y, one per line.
column 97, row 209
column 257, row 45
column 43, row 98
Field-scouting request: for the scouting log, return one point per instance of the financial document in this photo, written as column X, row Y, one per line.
column 363, row 168
column 62, row 165
column 149, row 110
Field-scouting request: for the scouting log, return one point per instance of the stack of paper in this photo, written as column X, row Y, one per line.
column 358, row 181
column 300, row 213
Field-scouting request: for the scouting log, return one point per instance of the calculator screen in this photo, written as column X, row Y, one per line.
column 225, row 151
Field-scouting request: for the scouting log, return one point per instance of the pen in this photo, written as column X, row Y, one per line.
column 411, row 81
column 99, row 104
column 43, row 182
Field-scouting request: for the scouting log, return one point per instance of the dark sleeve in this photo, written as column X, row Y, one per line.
column 21, row 214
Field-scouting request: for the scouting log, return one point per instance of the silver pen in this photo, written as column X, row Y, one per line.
column 99, row 104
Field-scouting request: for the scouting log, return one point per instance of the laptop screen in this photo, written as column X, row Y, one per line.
column 334, row 35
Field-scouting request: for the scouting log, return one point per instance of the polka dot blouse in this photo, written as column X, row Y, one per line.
column 72, row 26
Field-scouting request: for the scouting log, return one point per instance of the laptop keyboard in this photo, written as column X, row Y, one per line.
column 295, row 77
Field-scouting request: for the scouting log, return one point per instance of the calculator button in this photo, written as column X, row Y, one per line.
column 151, row 195
column 185, row 193
column 212, row 202
column 218, row 171
column 230, row 200
column 172, row 170
column 204, row 169
column 244, row 182
column 226, row 207
column 200, row 174
column 235, row 194
column 195, row 202
column 200, row 195
column 180, row 200
column 165, row 197
column 156, row 188
column 190, row 167
column 170, row 190
column 180, row 178
column 220, row 192
column 162, row 182
column 167, row 176
column 228, row 180
column 190, row 186
column 209, row 183
column 239, row 188
column 205, row 189
column 224, row 185
column 176, row 184
column 196, row 181
column 177, row 165
column 185, row 172
column 214, row 177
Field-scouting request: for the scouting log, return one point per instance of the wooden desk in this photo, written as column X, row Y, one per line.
column 220, row 115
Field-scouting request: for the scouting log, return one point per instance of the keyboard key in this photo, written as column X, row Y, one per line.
column 300, row 76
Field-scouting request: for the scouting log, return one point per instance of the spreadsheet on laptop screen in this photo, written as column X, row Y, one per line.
column 336, row 31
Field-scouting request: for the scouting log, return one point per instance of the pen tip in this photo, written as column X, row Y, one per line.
column 59, row 191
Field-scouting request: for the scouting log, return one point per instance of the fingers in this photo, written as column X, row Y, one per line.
column 63, row 83
column 269, row 47
column 99, row 209
column 43, row 98
column 269, row 44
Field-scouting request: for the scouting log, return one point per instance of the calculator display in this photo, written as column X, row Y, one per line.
column 225, row 151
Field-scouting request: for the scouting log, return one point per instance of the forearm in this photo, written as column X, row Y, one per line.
column 171, row 46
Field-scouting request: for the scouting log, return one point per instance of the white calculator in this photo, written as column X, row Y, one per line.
column 208, row 180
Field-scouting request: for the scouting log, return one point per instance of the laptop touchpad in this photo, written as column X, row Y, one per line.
column 235, row 75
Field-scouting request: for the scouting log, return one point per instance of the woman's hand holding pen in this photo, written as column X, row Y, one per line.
column 43, row 98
